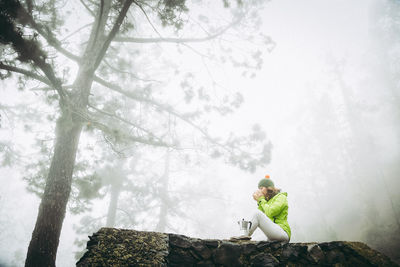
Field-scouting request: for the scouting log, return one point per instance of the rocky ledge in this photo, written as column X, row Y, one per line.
column 119, row 247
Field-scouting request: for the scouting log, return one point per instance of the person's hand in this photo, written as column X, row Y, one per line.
column 257, row 194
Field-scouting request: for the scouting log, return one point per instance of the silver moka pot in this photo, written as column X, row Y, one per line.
column 244, row 227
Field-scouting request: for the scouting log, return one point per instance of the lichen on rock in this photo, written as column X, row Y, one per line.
column 118, row 247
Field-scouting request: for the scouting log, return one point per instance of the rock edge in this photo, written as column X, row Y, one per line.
column 121, row 247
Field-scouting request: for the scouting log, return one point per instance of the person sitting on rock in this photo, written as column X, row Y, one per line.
column 272, row 213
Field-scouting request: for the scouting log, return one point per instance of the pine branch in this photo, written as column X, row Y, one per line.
column 47, row 35
column 28, row 50
column 26, row 72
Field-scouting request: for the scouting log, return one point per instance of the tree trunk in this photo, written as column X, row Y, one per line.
column 45, row 237
column 112, row 209
column 162, row 222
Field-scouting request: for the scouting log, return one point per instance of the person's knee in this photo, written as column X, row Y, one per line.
column 258, row 214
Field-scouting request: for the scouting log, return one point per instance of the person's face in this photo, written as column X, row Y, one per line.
column 266, row 190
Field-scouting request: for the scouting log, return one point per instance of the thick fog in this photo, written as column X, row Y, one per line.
column 327, row 96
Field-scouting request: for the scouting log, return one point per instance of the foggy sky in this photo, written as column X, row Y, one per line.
column 311, row 37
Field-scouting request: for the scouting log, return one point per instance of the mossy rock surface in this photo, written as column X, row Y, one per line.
column 119, row 247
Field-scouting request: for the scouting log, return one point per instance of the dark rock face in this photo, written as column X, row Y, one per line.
column 117, row 247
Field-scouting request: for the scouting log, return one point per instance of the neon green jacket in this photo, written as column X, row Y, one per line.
column 277, row 210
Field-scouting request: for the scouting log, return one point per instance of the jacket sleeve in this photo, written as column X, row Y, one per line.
column 273, row 209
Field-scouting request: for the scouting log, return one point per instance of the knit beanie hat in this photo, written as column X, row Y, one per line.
column 266, row 182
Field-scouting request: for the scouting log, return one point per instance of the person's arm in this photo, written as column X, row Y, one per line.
column 275, row 208
column 257, row 194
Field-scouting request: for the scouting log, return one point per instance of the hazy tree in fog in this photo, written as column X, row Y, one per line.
column 388, row 45
column 105, row 175
column 99, row 57
column 317, row 156
column 143, row 192
column 374, row 115
column 367, row 168
column 166, row 201
column 386, row 50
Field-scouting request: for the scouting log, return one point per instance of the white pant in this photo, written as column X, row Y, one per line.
column 271, row 230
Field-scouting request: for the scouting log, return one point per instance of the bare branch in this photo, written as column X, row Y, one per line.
column 48, row 71
column 99, row 21
column 127, row 122
column 106, row 129
column 46, row 88
column 129, row 73
column 87, row 8
column 27, row 73
column 78, row 30
column 175, row 40
column 160, row 106
column 113, row 32
column 117, row 88
column 195, row 51
column 147, row 17
column 110, row 143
